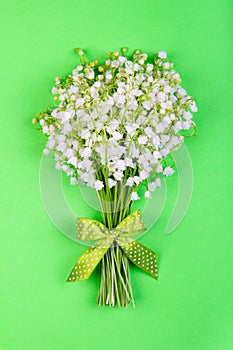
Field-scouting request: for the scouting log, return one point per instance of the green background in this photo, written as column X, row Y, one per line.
column 190, row 307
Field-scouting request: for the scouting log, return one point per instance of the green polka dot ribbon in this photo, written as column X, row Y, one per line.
column 105, row 239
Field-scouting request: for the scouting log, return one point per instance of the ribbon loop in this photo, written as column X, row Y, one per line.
column 88, row 229
column 133, row 224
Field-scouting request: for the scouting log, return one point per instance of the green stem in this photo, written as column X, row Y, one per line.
column 115, row 285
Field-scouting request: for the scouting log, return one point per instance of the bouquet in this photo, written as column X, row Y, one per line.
column 113, row 126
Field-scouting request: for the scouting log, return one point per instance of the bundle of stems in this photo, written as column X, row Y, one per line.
column 115, row 284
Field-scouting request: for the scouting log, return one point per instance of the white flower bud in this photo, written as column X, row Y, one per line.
column 134, row 196
column 162, row 54
column 98, row 185
column 147, row 194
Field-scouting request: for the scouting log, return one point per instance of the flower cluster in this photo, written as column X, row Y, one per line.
column 120, row 119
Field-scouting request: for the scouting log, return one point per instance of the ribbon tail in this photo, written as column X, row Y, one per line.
column 88, row 261
column 141, row 256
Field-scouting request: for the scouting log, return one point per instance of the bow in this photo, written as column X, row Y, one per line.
column 104, row 237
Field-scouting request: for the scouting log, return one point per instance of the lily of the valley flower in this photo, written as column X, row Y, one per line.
column 124, row 116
